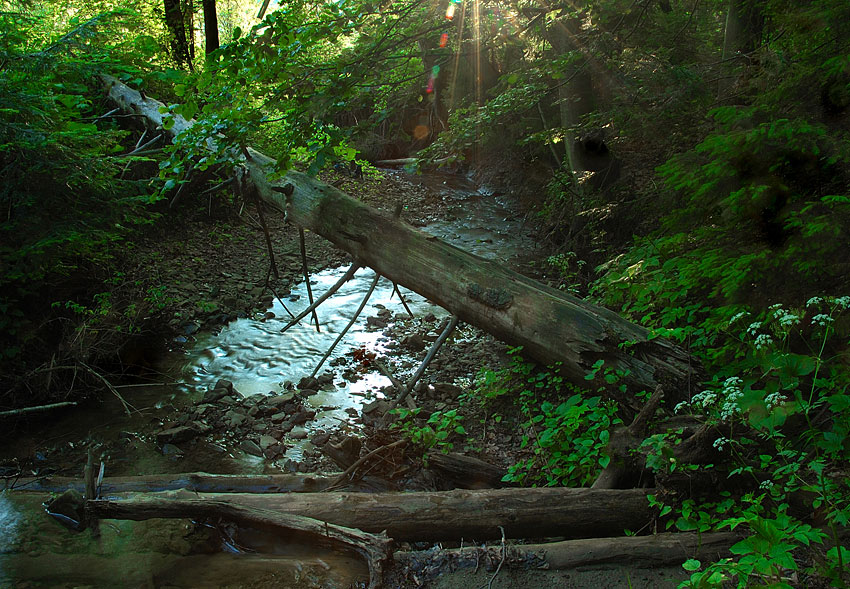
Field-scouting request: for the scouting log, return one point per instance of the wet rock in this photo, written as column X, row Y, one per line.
column 324, row 378
column 320, row 439
column 385, row 313
column 176, row 435
column 279, row 417
column 380, row 406
column 429, row 318
column 414, row 342
column 352, row 411
column 235, row 418
column 308, row 392
column 431, row 336
column 267, row 441
column 377, row 322
column 191, row 328
column 308, row 382
column 68, row 509
column 302, row 417
column 171, row 450
column 251, row 447
column 298, row 433
column 221, row 389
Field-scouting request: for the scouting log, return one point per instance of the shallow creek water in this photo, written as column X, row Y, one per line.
column 257, row 358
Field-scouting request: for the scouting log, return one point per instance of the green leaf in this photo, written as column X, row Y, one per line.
column 691, row 565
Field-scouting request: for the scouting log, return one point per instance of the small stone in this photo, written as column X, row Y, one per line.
column 429, row 318
column 279, row 417
column 251, row 447
column 413, row 342
column 298, row 433
column 320, row 439
column 176, row 435
column 267, row 441
column 377, row 322
column 308, row 383
column 301, row 417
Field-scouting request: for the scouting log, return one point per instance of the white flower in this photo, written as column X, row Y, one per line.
column 753, row 328
column 681, row 407
column 822, row 320
column 732, row 382
column 766, row 484
column 763, row 341
column 773, row 400
column 775, row 307
column 814, row 301
column 843, row 302
column 719, row 443
column 709, row 400
column 786, row 319
column 739, row 315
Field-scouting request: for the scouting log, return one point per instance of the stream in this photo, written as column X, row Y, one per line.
column 260, row 361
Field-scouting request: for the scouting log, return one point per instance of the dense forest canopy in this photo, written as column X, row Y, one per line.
column 686, row 162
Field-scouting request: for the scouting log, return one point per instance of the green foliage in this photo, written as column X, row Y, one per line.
column 438, row 431
column 566, row 438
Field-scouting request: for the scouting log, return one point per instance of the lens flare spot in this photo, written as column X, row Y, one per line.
column 420, row 132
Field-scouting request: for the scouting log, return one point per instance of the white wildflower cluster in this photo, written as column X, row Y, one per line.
column 843, row 302
column 785, row 318
column 681, row 407
column 822, row 320
column 737, row 316
column 763, row 341
column 705, row 398
column 814, row 302
column 753, row 328
column 766, row 484
column 773, row 400
column 731, row 393
column 719, row 443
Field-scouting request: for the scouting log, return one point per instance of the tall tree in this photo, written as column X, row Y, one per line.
column 176, row 23
column 210, row 26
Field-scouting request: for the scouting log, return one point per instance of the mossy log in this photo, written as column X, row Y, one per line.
column 551, row 326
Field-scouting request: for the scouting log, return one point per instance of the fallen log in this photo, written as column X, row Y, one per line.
column 640, row 551
column 551, row 326
column 375, row 549
column 200, row 482
column 450, row 515
column 465, row 472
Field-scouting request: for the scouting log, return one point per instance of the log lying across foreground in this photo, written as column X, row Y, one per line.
column 432, row 516
column 551, row 326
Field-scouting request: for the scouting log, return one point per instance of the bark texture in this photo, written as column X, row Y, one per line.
column 448, row 515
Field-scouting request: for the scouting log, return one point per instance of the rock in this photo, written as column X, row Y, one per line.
column 448, row 390
column 301, row 417
column 308, row 392
column 324, row 378
column 176, row 435
column 320, row 439
column 279, row 417
column 309, row 383
column 385, row 313
column 431, row 336
column 268, row 315
column 345, row 453
column 191, row 328
column 414, row 342
column 267, row 441
column 377, row 322
column 235, row 418
column 380, row 406
column 429, row 318
column 298, row 433
column 251, row 447
column 352, row 411
column 221, row 389
column 171, row 450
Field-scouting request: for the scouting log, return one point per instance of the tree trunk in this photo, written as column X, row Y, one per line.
column 444, row 515
column 210, row 26
column 640, row 551
column 551, row 326
column 174, row 20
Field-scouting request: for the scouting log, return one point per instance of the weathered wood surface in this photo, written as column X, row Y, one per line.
column 551, row 326
column 452, row 515
column 200, row 482
column 376, row 549
column 466, row 472
column 667, row 549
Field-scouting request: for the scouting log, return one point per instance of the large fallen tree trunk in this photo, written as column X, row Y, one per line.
column 551, row 326
column 643, row 551
column 444, row 515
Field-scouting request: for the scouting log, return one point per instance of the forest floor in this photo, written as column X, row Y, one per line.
column 211, row 268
